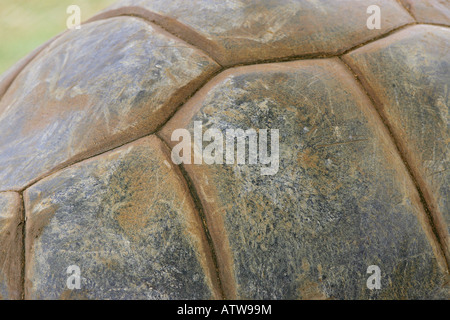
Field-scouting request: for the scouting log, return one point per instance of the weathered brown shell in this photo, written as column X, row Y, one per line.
column 86, row 176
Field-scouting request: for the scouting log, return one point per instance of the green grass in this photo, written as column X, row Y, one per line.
column 26, row 24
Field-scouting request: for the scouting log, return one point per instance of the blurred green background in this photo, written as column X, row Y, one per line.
column 26, row 24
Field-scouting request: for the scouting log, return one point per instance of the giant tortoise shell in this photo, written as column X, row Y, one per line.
column 92, row 190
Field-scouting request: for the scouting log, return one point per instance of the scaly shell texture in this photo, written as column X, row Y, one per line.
column 87, row 177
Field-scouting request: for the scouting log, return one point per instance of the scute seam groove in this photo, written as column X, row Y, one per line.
column 406, row 9
column 174, row 27
column 200, row 209
column 214, row 74
column 431, row 215
column 427, row 207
